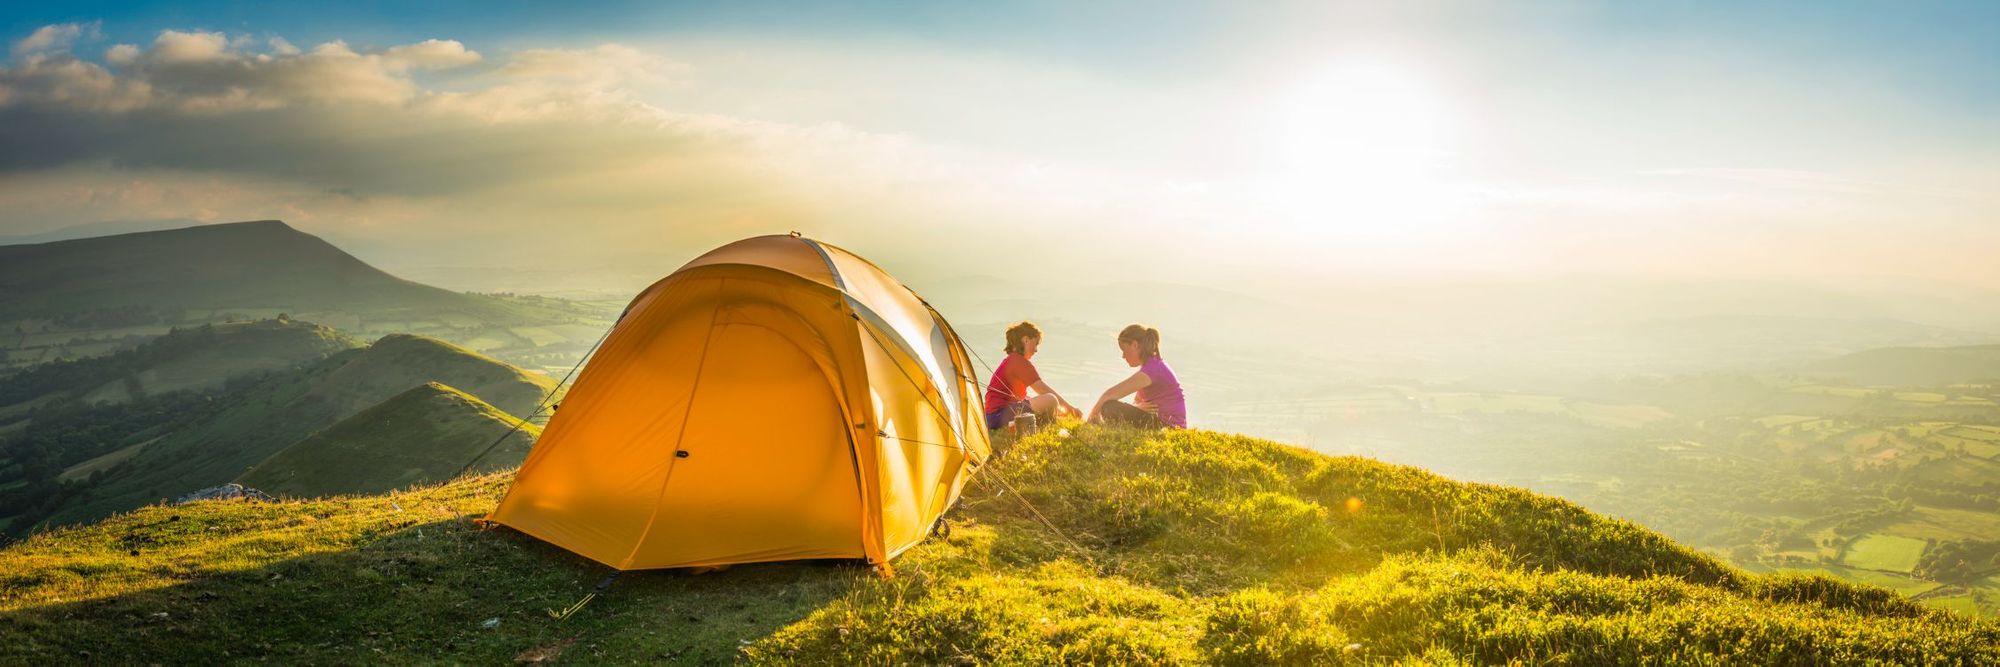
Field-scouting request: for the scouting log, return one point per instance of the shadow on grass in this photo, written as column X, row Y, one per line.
column 428, row 592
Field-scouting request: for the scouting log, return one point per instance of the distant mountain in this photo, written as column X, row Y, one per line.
column 1914, row 366
column 421, row 436
column 246, row 265
column 94, row 296
column 91, row 229
column 256, row 422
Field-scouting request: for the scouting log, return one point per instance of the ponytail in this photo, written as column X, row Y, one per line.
column 1147, row 337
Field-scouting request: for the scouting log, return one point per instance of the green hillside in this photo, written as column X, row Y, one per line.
column 398, row 362
column 251, row 424
column 200, row 358
column 421, row 436
column 1915, row 366
column 1104, row 545
column 65, row 422
column 95, row 296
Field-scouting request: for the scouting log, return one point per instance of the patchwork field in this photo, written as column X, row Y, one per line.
column 1901, row 584
column 1823, row 390
column 82, row 470
column 1781, row 421
column 1964, row 604
column 1884, row 552
column 1943, row 523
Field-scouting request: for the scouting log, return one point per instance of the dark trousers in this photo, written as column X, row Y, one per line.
column 1127, row 414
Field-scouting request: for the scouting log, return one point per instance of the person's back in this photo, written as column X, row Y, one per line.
column 1162, row 396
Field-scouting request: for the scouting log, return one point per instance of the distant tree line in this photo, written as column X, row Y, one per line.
column 1959, row 562
column 66, row 434
column 82, row 375
column 1934, row 494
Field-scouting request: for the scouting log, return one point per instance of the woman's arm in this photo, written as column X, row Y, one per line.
column 1138, row 381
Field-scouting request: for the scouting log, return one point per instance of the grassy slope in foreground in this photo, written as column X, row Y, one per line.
column 1182, row 547
column 421, row 436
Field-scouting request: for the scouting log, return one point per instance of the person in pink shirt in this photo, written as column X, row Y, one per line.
column 1158, row 401
column 1007, row 394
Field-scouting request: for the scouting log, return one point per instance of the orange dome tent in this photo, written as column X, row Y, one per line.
column 777, row 398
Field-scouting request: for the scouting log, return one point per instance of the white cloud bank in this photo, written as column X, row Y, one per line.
column 431, row 140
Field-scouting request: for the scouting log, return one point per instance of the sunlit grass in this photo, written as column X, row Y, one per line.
column 1099, row 545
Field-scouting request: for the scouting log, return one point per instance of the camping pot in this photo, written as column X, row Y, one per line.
column 1024, row 423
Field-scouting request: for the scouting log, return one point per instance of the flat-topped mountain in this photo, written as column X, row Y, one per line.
column 95, row 296
column 262, row 264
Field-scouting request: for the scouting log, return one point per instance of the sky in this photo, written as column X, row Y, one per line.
column 1235, row 144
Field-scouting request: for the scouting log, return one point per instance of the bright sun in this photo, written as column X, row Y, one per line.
column 1357, row 139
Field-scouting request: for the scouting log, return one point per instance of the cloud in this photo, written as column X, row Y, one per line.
column 63, row 81
column 431, row 54
column 429, row 141
column 605, row 64
column 121, row 54
column 334, row 117
column 176, row 47
column 56, row 37
column 208, row 72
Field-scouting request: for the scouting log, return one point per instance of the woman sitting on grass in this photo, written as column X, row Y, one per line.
column 1159, row 400
column 1007, row 394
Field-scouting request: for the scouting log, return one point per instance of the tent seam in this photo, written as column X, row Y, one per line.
column 838, row 282
column 686, row 416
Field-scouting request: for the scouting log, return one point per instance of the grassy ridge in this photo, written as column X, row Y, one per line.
column 1915, row 366
column 421, row 436
column 258, row 421
column 196, row 358
column 1130, row 546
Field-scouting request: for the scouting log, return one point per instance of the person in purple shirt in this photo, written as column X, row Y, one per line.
column 1158, row 401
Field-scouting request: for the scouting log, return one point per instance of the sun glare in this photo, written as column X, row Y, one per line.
column 1357, row 140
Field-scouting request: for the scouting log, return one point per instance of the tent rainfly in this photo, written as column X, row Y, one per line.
column 778, row 398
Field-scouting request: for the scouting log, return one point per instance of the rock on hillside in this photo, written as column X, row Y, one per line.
column 419, row 437
column 1091, row 546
